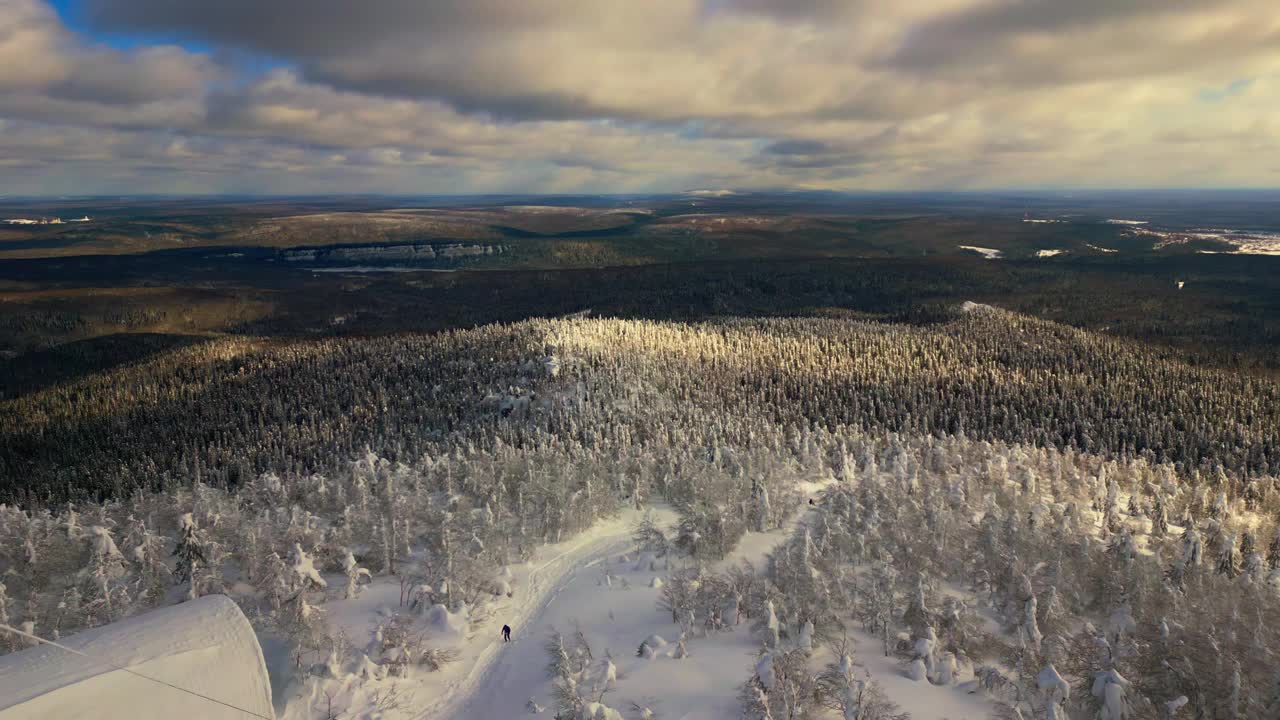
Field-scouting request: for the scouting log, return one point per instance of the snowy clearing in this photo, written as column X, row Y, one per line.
column 1243, row 242
column 988, row 253
column 498, row 668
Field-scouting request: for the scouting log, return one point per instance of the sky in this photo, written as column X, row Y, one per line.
column 608, row 96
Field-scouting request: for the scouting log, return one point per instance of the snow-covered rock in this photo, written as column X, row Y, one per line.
column 448, row 627
column 681, row 652
column 599, row 711
column 500, row 588
column 946, row 670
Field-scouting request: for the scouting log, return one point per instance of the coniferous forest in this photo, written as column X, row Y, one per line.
column 1078, row 524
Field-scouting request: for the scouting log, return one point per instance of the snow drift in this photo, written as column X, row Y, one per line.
column 205, row 646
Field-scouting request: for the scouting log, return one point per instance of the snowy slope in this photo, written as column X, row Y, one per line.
column 205, row 646
column 473, row 685
column 599, row 587
column 507, row 674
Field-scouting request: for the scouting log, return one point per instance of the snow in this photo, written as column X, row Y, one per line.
column 304, row 567
column 449, row 627
column 764, row 671
column 968, row 306
column 595, row 582
column 988, row 253
column 1243, row 242
column 1116, row 221
column 693, row 676
column 44, row 221
column 697, row 678
column 1050, row 681
column 205, row 646
column 492, row 679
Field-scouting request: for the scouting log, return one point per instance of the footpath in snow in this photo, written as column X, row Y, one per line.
column 501, row 676
column 484, row 660
column 595, row 583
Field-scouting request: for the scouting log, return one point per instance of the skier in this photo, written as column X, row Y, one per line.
column 506, row 633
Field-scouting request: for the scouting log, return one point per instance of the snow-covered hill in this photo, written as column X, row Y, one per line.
column 1002, row 501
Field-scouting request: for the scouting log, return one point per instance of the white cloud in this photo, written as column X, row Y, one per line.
column 608, row 95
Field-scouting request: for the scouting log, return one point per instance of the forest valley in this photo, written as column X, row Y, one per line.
column 991, row 512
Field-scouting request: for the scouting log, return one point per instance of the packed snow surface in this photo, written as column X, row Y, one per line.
column 205, row 646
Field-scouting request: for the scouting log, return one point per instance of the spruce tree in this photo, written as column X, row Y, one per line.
column 190, row 554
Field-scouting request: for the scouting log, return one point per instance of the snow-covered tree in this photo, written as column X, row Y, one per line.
column 190, row 553
column 1055, row 692
column 1112, row 695
column 353, row 572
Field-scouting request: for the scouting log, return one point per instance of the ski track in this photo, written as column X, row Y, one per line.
column 499, row 683
column 477, row 695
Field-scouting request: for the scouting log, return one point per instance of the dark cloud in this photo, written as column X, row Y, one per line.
column 808, row 11
column 125, row 79
column 479, row 55
column 806, row 154
column 1055, row 41
column 797, row 147
column 312, row 28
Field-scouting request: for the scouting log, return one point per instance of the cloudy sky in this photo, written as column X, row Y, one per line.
column 431, row 96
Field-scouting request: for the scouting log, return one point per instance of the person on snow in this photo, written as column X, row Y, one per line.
column 506, row 633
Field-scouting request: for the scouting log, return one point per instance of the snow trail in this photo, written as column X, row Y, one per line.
column 479, row 694
column 506, row 675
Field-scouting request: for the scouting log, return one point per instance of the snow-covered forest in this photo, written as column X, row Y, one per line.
column 1060, row 523
column 228, row 411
